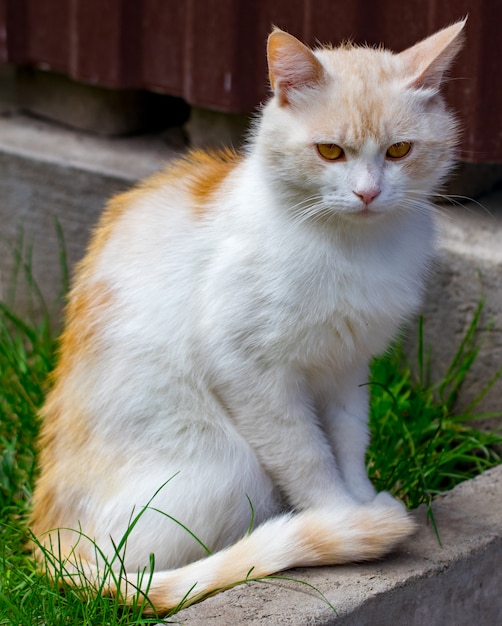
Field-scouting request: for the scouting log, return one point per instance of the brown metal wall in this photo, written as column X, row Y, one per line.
column 211, row 52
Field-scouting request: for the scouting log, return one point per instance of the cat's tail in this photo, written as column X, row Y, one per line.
column 314, row 537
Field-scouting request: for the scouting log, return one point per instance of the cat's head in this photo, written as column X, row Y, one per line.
column 360, row 131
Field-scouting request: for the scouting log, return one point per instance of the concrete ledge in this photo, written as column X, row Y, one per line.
column 424, row 584
column 92, row 108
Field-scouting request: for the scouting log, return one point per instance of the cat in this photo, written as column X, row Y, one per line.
column 218, row 333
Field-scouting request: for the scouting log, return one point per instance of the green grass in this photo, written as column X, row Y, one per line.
column 421, row 446
column 422, row 442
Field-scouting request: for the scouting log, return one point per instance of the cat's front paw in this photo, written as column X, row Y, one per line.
column 384, row 499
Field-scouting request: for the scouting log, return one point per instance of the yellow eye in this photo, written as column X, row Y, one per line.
column 398, row 150
column 330, row 151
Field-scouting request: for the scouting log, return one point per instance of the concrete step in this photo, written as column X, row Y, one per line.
column 50, row 172
column 457, row 583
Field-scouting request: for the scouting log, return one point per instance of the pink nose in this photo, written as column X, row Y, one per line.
column 367, row 195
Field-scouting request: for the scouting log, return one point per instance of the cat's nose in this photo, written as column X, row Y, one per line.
column 368, row 195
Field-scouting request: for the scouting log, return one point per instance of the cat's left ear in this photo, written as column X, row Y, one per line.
column 292, row 66
column 426, row 62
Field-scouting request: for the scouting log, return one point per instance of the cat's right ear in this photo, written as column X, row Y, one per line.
column 292, row 66
column 426, row 63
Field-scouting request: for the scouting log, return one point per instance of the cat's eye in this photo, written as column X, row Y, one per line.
column 398, row 150
column 330, row 151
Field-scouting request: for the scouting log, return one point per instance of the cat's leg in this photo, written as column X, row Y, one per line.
column 276, row 416
column 345, row 418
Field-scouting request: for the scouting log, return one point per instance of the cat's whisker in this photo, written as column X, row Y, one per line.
column 419, row 204
column 456, row 200
column 422, row 201
column 464, row 202
column 308, row 209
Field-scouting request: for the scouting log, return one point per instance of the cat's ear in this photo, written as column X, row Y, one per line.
column 292, row 66
column 426, row 62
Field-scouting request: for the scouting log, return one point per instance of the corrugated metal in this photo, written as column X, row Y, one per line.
column 211, row 52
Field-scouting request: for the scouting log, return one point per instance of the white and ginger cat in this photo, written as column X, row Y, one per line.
column 219, row 331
